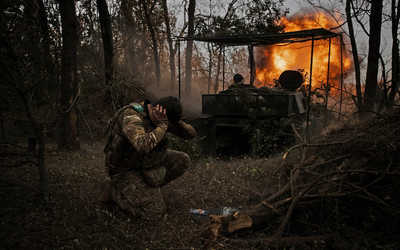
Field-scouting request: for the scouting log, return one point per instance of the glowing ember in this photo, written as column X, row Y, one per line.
column 272, row 60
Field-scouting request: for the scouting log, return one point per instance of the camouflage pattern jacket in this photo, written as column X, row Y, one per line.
column 135, row 143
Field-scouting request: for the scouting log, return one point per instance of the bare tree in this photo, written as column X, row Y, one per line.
column 355, row 53
column 107, row 36
column 189, row 48
column 68, row 127
column 218, row 68
column 252, row 64
column 147, row 13
column 172, row 50
column 12, row 74
column 375, row 24
column 31, row 12
column 210, row 63
column 395, row 52
column 224, row 24
column 46, row 36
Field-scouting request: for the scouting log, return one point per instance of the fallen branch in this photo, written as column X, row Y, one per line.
column 341, row 173
column 295, row 175
column 304, row 145
column 278, row 234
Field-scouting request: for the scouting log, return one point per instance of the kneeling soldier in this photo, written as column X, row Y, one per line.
column 137, row 158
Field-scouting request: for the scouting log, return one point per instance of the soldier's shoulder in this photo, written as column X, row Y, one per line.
column 132, row 119
column 133, row 109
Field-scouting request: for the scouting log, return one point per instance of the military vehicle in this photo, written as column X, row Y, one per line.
column 224, row 118
column 225, row 115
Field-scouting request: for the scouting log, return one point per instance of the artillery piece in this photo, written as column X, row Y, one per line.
column 224, row 116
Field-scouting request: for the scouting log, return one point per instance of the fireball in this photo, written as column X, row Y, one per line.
column 272, row 60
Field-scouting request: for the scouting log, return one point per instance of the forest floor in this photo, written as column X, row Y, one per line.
column 74, row 219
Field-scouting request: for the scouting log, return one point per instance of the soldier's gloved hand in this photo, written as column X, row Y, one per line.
column 160, row 115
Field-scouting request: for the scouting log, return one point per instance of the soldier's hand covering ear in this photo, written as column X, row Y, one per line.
column 160, row 114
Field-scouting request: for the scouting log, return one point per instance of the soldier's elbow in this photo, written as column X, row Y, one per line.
column 141, row 149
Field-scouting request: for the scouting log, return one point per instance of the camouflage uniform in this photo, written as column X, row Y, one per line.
column 139, row 162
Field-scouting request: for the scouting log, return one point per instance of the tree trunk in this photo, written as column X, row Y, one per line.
column 50, row 56
column 210, row 52
column 355, row 55
column 45, row 35
column 395, row 53
column 106, row 33
column 128, row 32
column 147, row 13
column 189, row 48
column 41, row 150
column 371, row 83
column 30, row 14
column 252, row 64
column 172, row 50
column 28, row 108
column 68, row 127
column 218, row 70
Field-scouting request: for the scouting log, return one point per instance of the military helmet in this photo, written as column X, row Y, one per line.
column 238, row 78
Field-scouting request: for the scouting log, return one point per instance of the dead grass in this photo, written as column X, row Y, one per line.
column 75, row 220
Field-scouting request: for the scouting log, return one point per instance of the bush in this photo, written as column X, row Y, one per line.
column 191, row 147
column 268, row 133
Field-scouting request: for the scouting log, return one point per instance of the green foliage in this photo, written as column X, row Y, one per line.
column 191, row 147
column 247, row 17
column 267, row 132
column 263, row 16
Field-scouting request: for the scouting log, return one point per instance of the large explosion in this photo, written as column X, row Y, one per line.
column 272, row 60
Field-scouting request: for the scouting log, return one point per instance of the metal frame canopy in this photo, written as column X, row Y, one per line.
column 280, row 38
column 266, row 39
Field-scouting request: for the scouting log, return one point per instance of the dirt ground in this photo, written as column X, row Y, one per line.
column 75, row 220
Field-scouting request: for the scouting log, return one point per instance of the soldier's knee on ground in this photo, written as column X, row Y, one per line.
column 153, row 209
column 140, row 199
column 149, row 207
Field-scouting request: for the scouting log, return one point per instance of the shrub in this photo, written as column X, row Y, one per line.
column 191, row 147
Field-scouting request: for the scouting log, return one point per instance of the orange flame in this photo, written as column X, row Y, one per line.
column 272, row 60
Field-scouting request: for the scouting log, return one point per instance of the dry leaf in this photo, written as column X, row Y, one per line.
column 242, row 221
column 210, row 235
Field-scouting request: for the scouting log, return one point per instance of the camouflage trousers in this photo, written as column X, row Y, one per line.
column 134, row 194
